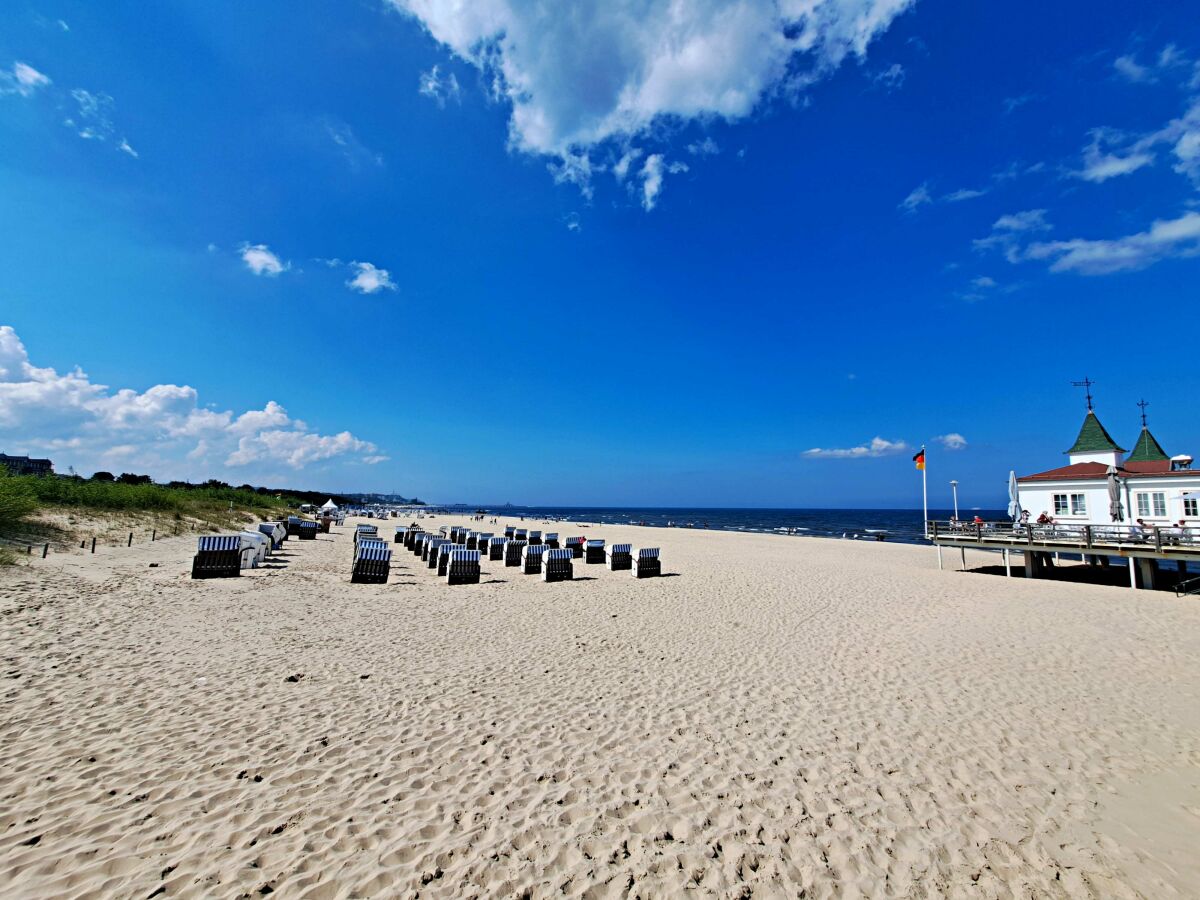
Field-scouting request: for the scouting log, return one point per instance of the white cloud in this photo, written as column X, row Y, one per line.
column 1029, row 220
column 163, row 430
column 1164, row 239
column 369, row 279
column 1099, row 165
column 706, row 147
column 918, row 197
column 891, row 78
column 261, row 261
column 652, row 179
column 1131, row 70
column 356, row 154
column 952, row 441
column 984, row 282
column 877, row 446
column 921, row 195
column 22, row 79
column 621, row 169
column 124, row 147
column 573, row 168
column 93, row 115
column 610, row 71
column 438, row 87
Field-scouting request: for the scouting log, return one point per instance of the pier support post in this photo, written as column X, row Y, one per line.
column 963, row 550
column 939, row 546
column 1007, row 563
column 1149, row 569
column 1030, row 564
column 1132, row 573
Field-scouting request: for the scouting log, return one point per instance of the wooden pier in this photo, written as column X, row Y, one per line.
column 1145, row 549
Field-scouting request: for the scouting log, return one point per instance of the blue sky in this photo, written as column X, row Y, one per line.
column 625, row 256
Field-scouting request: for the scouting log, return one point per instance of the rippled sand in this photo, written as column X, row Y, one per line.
column 780, row 715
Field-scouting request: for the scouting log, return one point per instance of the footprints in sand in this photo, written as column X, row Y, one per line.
column 289, row 733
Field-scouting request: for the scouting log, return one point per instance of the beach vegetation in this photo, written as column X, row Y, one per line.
column 17, row 500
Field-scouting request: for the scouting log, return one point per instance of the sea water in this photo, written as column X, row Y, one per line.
column 903, row 525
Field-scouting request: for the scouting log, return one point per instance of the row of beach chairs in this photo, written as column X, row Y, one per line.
column 456, row 553
column 225, row 555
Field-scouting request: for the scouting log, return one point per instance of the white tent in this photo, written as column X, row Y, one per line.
column 328, row 505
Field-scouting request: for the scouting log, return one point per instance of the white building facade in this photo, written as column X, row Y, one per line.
column 1159, row 490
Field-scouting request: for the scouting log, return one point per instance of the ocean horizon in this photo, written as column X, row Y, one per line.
column 899, row 525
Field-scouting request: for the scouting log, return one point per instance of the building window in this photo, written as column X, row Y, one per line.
column 1191, row 508
column 1070, row 504
column 1152, row 503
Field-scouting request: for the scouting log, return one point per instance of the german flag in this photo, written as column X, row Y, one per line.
column 919, row 459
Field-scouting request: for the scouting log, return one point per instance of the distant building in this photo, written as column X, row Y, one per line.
column 1158, row 489
column 24, row 465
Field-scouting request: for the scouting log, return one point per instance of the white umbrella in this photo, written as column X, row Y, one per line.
column 1115, row 508
column 1014, row 501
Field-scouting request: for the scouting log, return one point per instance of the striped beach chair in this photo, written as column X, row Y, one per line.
column 410, row 536
column 372, row 562
column 531, row 558
column 472, row 541
column 510, row 531
column 217, row 556
column 419, row 542
column 593, row 552
column 455, row 534
column 260, row 544
column 620, row 557
column 444, row 531
column 551, row 540
column 535, row 539
column 429, row 554
column 274, row 532
column 512, row 552
column 401, row 531
column 496, row 549
column 463, row 567
column 558, row 564
column 647, row 564
column 575, row 545
column 521, row 535
column 444, row 552
column 293, row 525
column 308, row 531
column 365, row 531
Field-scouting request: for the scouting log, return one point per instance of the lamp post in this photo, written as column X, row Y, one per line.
column 954, row 487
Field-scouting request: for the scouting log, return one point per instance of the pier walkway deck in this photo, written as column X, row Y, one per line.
column 1144, row 548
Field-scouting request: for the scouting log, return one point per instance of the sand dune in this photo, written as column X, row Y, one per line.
column 781, row 715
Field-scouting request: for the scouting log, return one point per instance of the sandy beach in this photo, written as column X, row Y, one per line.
column 777, row 717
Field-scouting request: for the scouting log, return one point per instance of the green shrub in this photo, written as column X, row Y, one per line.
column 16, row 499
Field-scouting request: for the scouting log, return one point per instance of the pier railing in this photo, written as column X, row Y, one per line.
column 1087, row 537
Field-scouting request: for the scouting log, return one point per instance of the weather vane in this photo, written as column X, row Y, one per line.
column 1142, row 404
column 1087, row 384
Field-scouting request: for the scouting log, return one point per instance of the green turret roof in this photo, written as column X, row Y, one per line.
column 1147, row 448
column 1093, row 438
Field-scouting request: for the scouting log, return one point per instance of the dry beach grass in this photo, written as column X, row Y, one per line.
column 781, row 715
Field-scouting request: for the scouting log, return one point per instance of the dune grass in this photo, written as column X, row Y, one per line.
column 21, row 497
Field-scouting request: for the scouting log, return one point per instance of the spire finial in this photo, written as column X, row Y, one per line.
column 1142, row 404
column 1087, row 384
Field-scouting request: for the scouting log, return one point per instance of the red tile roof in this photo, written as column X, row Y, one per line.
column 1094, row 470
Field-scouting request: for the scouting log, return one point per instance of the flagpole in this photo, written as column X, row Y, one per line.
column 924, row 492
